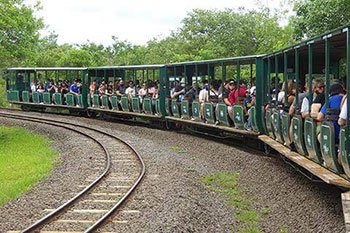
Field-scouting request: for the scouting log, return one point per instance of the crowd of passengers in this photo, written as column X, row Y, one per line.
column 63, row 87
column 314, row 105
column 230, row 93
column 129, row 89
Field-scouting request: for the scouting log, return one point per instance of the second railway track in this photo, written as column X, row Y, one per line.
column 101, row 196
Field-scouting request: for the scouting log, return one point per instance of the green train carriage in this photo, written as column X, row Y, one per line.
column 323, row 57
column 131, row 108
column 18, row 87
column 217, row 119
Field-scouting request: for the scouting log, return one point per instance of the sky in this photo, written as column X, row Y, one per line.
column 137, row 21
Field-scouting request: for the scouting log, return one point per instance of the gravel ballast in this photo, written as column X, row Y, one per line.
column 71, row 169
column 172, row 198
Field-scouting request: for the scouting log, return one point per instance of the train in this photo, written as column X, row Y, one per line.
column 313, row 145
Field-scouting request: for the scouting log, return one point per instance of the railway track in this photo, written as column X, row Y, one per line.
column 101, row 196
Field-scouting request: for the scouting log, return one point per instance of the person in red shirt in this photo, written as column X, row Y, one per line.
column 237, row 95
column 227, row 97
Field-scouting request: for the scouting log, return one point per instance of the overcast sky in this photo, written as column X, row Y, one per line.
column 138, row 21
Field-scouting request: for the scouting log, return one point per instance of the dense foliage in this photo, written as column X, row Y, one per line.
column 19, row 33
column 314, row 17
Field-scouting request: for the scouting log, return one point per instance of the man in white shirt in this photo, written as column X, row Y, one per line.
column 203, row 98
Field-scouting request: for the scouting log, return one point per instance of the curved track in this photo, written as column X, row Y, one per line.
column 83, row 212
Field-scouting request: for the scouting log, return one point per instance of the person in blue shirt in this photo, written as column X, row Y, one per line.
column 336, row 93
column 74, row 89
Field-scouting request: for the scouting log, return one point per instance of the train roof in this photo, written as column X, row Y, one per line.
column 46, row 68
column 230, row 60
column 312, row 40
column 128, row 67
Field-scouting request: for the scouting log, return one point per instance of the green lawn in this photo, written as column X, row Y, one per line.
column 25, row 158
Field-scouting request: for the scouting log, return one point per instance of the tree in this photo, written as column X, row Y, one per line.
column 314, row 17
column 19, row 33
column 76, row 58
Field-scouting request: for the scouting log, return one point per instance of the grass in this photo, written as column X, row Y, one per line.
column 3, row 99
column 227, row 184
column 178, row 149
column 25, row 159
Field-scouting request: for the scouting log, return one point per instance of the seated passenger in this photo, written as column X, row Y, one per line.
column 130, row 91
column 301, row 95
column 75, row 90
column 336, row 95
column 249, row 124
column 33, row 86
column 142, row 92
column 214, row 92
column 343, row 116
column 64, row 89
column 177, row 92
column 318, row 88
column 151, row 88
column 92, row 88
column 286, row 100
column 121, row 89
column 191, row 94
column 226, row 90
column 109, row 89
column 154, row 97
column 52, row 89
column 41, row 90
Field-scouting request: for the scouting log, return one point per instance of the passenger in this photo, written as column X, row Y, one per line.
column 33, row 86
column 203, row 97
column 214, row 92
column 92, row 88
column 41, row 90
column 142, row 93
column 343, row 116
column 318, row 88
column 121, row 89
column 75, row 90
column 238, row 93
column 241, row 93
column 151, row 89
column 47, row 84
column 301, row 95
column 177, row 92
column 288, row 100
column 52, row 90
column 253, row 88
column 226, row 90
column 247, row 102
column 102, row 89
column 249, row 125
column 64, row 89
column 130, row 91
column 155, row 96
column 336, row 95
column 192, row 92
column 191, row 95
column 110, row 89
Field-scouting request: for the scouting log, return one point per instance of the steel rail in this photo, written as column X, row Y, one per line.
column 71, row 201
